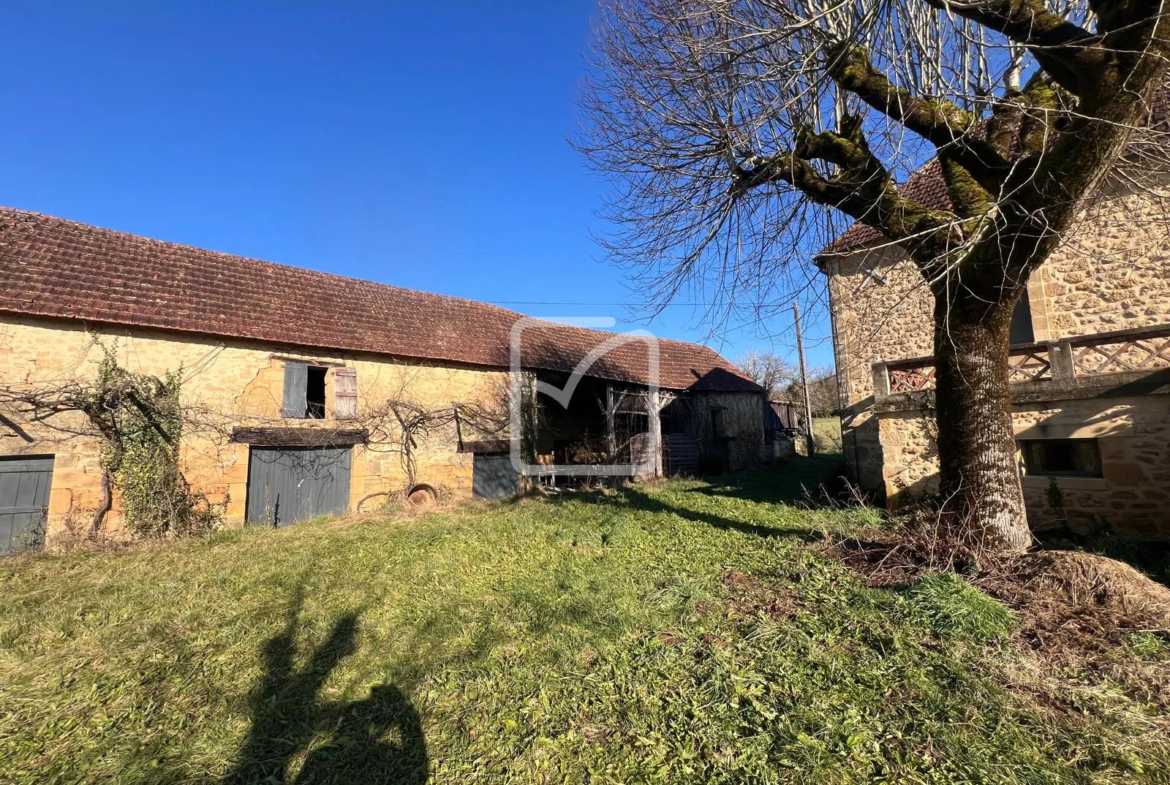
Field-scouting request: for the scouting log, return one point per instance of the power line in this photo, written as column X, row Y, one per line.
column 625, row 305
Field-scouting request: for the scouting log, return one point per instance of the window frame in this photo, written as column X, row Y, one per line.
column 295, row 403
column 1031, row 469
column 317, row 409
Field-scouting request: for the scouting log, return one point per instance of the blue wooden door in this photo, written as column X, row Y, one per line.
column 493, row 476
column 289, row 484
column 24, row 498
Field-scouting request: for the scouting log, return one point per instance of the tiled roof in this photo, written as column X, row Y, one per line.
column 58, row 268
column 926, row 186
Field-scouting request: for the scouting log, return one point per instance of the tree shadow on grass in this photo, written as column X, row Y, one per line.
column 375, row 740
column 810, row 483
column 640, row 500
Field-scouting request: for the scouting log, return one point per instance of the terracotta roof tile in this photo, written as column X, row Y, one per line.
column 926, row 186
column 58, row 268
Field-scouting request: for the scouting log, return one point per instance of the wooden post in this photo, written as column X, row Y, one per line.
column 808, row 419
column 610, row 436
column 653, row 408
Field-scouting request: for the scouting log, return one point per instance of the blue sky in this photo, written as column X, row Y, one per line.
column 413, row 145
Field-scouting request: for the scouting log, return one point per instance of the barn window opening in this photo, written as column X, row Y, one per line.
column 315, row 393
column 304, row 391
column 1061, row 457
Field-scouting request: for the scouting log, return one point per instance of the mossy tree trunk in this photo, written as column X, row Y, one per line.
column 979, row 480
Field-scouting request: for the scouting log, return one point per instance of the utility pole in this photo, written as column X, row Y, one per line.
column 808, row 419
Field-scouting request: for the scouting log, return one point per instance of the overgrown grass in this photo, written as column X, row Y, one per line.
column 951, row 607
column 687, row 632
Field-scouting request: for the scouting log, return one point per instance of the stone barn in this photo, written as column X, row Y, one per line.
column 301, row 393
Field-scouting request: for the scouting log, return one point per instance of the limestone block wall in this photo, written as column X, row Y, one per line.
column 881, row 310
column 225, row 384
column 910, row 460
column 1112, row 272
column 1133, row 438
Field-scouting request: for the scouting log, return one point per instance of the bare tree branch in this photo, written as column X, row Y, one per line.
column 1062, row 48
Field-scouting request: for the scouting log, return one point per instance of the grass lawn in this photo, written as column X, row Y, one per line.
column 687, row 632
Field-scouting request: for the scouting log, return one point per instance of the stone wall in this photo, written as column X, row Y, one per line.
column 910, row 459
column 229, row 383
column 1133, row 438
column 881, row 311
column 1112, row 273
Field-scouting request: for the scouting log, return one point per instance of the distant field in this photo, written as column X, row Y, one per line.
column 827, row 434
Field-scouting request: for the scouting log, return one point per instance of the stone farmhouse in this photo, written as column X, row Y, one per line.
column 1090, row 364
column 289, row 375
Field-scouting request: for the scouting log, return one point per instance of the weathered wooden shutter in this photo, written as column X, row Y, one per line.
column 296, row 386
column 345, row 401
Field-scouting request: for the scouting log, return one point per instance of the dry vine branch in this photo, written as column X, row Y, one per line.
column 138, row 420
column 399, row 425
column 400, row 422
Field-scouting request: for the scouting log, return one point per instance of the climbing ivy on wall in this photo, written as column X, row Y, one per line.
column 140, row 420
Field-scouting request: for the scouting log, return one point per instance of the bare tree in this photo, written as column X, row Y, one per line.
column 769, row 370
column 822, row 391
column 782, row 381
column 740, row 133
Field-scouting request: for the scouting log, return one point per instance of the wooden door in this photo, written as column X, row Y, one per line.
column 290, row 484
column 24, row 499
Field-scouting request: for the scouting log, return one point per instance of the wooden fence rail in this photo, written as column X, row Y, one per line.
column 1122, row 351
